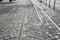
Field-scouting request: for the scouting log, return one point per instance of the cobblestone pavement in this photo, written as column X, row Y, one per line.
column 24, row 23
column 11, row 22
column 48, row 28
column 5, row 9
column 54, row 14
column 34, row 30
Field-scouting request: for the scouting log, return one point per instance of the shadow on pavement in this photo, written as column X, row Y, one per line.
column 7, row 2
column 6, row 10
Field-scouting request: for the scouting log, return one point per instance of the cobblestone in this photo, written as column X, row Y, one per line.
column 10, row 25
column 46, row 22
column 32, row 28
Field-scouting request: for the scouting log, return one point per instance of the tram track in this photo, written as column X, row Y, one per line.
column 22, row 24
column 51, row 24
column 34, row 29
column 32, row 14
column 21, row 27
column 46, row 16
column 37, row 13
column 37, row 3
column 7, row 30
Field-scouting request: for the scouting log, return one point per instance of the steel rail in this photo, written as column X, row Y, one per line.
column 21, row 29
column 37, row 13
column 37, row 3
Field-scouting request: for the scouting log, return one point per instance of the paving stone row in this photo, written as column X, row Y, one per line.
column 34, row 30
column 31, row 24
column 50, row 28
column 6, row 9
column 10, row 26
column 54, row 15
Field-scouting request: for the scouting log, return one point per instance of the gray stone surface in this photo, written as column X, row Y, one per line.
column 54, row 14
column 48, row 27
column 26, row 17
column 11, row 22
